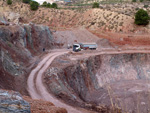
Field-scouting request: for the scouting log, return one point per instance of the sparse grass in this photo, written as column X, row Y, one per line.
column 9, row 44
column 82, row 5
column 113, row 1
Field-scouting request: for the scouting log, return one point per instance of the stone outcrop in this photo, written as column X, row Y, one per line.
column 28, row 36
column 12, row 102
column 75, row 81
column 112, row 80
column 19, row 43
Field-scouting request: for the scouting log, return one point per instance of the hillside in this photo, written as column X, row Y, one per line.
column 114, row 22
column 108, row 17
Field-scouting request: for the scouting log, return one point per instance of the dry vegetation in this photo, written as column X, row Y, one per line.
column 120, row 18
column 114, row 22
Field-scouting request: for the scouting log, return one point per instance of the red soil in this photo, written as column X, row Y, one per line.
column 125, row 38
column 40, row 106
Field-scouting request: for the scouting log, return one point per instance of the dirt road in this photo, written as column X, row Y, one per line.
column 89, row 53
column 37, row 89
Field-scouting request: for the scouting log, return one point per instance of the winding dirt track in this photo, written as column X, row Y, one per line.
column 36, row 87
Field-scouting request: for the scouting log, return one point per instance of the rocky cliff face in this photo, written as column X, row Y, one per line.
column 75, row 80
column 123, row 67
column 19, row 43
column 114, row 80
column 27, row 36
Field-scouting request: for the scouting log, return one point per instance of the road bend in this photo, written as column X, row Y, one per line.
column 36, row 87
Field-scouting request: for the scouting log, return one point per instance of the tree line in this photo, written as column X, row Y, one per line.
column 35, row 5
column 141, row 16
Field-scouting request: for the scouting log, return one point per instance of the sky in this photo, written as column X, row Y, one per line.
column 41, row 1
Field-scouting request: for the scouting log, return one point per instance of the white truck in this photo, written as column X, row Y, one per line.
column 80, row 46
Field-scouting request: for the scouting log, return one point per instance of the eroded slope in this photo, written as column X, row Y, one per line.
column 19, row 45
column 115, row 80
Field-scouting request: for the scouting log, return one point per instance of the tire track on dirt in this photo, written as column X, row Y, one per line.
column 30, row 82
column 37, row 90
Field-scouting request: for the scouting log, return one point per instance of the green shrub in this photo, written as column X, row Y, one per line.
column 133, row 0
column 26, row 1
column 54, row 5
column 34, row 5
column 141, row 0
column 137, row 9
column 141, row 17
column 145, row 6
column 95, row 5
column 44, row 4
column 9, row 2
column 49, row 5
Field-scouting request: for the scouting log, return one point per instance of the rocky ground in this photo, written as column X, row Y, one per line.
column 12, row 102
column 40, row 106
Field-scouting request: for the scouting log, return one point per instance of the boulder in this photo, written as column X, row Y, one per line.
column 12, row 102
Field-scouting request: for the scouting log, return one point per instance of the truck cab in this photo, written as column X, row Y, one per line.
column 76, row 47
column 84, row 46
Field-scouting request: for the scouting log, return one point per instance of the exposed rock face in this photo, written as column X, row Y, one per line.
column 74, row 81
column 114, row 80
column 18, row 46
column 29, row 36
column 12, row 102
column 123, row 67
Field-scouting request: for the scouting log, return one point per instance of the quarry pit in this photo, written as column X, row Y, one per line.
column 114, row 80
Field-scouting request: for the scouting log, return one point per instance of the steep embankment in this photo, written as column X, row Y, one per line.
column 19, row 44
column 115, row 80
